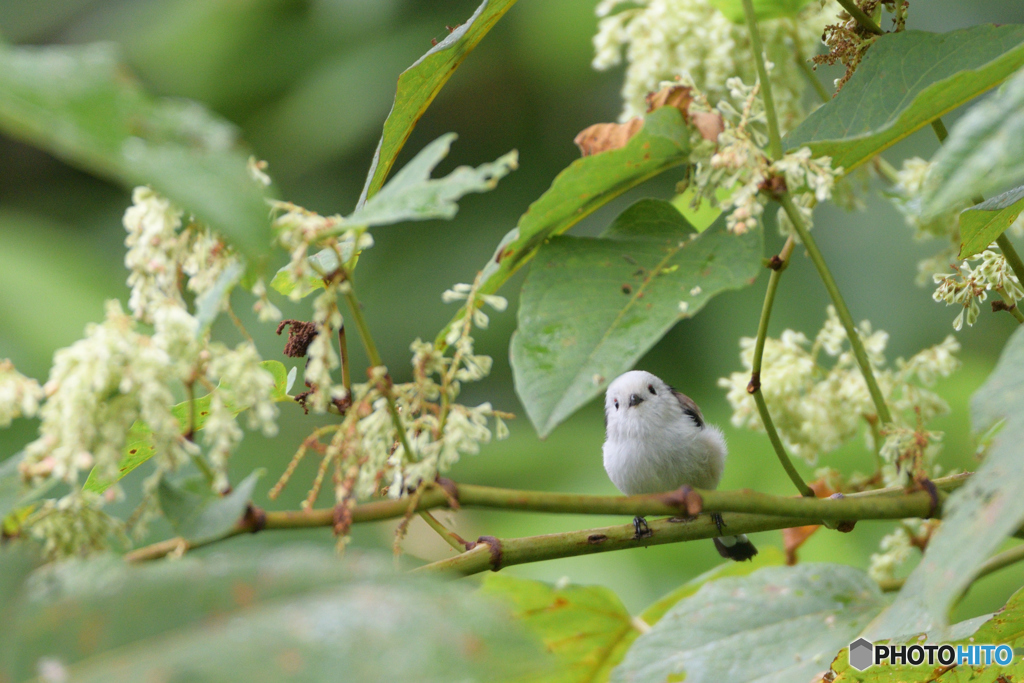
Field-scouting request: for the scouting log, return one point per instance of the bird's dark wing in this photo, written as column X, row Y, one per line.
column 689, row 407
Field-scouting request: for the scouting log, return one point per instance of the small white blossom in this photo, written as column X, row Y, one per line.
column 895, row 551
column 73, row 526
column 155, row 248
column 969, row 287
column 19, row 395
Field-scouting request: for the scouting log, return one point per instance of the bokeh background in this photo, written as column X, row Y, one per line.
column 309, row 83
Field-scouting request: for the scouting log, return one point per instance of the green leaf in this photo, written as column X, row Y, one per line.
column 1005, row 626
column 292, row 614
column 81, row 104
column 763, row 9
column 198, row 514
column 701, row 218
column 981, row 225
column 412, row 195
column 983, row 153
column 586, row 627
column 977, row 517
column 584, row 186
column 590, row 308
column 14, row 494
column 779, row 624
column 419, row 84
column 139, row 446
column 906, row 80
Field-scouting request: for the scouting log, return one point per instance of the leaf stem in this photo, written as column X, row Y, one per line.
column 346, row 379
column 449, row 536
column 856, row 345
column 375, row 360
column 1011, row 256
column 863, row 19
column 774, row 138
column 778, row 264
column 808, row 73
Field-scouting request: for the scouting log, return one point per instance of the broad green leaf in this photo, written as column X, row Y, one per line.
column 586, row 627
column 983, row 153
column 199, row 515
column 80, row 103
column 907, row 80
column 412, row 195
column 780, row 624
column 212, row 302
column 590, row 308
column 139, row 446
column 293, row 614
column 978, row 516
column 419, row 84
column 981, row 225
column 763, row 9
column 767, row 557
column 583, row 187
column 1005, row 626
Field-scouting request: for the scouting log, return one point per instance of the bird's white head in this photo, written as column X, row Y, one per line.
column 637, row 403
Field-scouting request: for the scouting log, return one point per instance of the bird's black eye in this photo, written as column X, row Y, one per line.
column 616, row 404
column 650, row 388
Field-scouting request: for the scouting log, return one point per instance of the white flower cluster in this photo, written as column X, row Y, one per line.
column 666, row 38
column 19, row 395
column 369, row 451
column 817, row 408
column 737, row 166
column 120, row 381
column 968, row 287
column 896, row 547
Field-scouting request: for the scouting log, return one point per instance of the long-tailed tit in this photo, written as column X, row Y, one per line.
column 657, row 440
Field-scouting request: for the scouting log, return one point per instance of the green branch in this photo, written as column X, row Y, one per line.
column 888, row 503
column 375, row 360
column 856, row 344
column 778, row 264
column 774, row 138
column 858, row 14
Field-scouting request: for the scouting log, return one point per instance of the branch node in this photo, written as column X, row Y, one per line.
column 685, row 498
column 596, row 539
column 1000, row 305
column 776, row 263
column 342, row 518
column 755, row 383
column 494, row 545
column 933, row 493
column 254, row 519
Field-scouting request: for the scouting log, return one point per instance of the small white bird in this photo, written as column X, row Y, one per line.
column 656, row 440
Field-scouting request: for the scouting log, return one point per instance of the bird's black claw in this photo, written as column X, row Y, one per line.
column 642, row 530
column 716, row 517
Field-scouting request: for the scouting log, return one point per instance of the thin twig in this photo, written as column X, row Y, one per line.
column 993, row 564
column 774, row 138
column 449, row 536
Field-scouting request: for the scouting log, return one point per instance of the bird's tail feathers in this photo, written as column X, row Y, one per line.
column 738, row 548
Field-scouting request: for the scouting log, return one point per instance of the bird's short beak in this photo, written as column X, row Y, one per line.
column 635, row 400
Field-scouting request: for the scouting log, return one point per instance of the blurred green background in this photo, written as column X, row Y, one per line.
column 309, row 83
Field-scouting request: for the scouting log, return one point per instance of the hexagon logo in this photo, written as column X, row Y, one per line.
column 862, row 654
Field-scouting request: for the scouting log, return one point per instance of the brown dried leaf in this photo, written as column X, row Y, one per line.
column 795, row 537
column 602, row 137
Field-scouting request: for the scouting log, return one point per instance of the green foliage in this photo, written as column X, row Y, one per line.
column 984, row 150
column 981, row 225
column 293, row 614
column 79, row 103
column 139, row 446
column 583, row 187
column 978, row 517
column 763, row 9
column 587, row 627
column 1006, row 626
column 199, row 515
column 210, row 304
column 905, row 81
column 779, row 624
column 633, row 284
column 411, row 195
column 419, row 84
